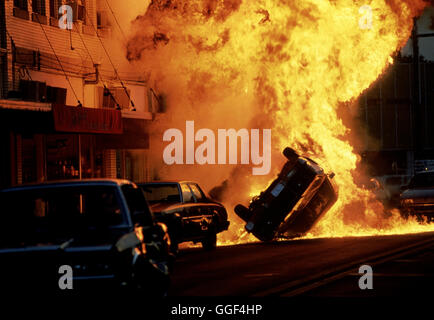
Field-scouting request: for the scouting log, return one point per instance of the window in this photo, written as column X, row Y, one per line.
column 102, row 19
column 57, row 214
column 161, row 192
column 38, row 6
column 78, row 9
column 197, row 192
column 22, row 4
column 186, row 193
column 54, row 8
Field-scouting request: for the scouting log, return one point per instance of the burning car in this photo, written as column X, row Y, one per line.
column 292, row 204
column 188, row 213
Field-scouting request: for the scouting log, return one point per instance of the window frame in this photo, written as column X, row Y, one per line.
column 39, row 5
column 21, row 4
column 191, row 192
column 203, row 196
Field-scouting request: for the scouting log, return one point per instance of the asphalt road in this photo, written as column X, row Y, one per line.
column 279, row 267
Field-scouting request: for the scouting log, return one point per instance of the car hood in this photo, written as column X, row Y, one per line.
column 417, row 193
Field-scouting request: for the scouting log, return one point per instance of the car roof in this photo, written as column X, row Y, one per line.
column 165, row 182
column 70, row 183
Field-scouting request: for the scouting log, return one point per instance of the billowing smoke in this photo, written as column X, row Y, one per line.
column 285, row 65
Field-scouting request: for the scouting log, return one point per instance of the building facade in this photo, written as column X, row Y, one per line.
column 398, row 134
column 69, row 107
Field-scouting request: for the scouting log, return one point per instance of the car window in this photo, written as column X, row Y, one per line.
column 197, row 192
column 50, row 214
column 187, row 196
column 159, row 192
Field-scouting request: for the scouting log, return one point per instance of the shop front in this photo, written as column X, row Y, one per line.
column 71, row 143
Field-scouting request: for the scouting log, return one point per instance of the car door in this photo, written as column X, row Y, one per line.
column 103, row 222
column 194, row 216
column 204, row 207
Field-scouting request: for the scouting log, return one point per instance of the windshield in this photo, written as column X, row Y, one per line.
column 161, row 192
column 56, row 214
column 422, row 180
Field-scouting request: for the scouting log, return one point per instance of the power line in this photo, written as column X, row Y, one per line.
column 93, row 62
column 109, row 58
column 58, row 60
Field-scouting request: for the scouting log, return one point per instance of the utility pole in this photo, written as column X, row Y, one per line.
column 416, row 105
column 418, row 124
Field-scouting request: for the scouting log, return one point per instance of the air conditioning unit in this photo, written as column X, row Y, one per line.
column 33, row 90
column 56, row 95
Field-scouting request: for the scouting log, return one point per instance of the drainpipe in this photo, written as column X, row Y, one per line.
column 417, row 114
column 96, row 66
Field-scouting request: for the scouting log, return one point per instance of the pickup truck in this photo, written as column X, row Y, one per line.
column 188, row 213
column 101, row 230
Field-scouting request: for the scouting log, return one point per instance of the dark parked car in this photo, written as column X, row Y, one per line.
column 188, row 213
column 387, row 189
column 417, row 198
column 300, row 195
column 102, row 229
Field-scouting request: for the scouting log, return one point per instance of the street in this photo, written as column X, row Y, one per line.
column 296, row 267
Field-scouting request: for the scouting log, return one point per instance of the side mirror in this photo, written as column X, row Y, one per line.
column 127, row 241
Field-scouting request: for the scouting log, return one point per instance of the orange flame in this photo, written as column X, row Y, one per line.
column 286, row 65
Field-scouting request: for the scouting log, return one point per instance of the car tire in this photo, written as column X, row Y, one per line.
column 210, row 242
column 290, row 154
column 242, row 212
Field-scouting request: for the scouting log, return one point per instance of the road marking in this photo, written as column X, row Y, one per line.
column 300, row 286
column 259, row 275
column 395, row 275
column 408, row 260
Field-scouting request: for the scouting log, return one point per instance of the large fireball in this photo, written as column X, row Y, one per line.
column 285, row 65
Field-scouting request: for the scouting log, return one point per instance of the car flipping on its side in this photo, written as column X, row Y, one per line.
column 293, row 203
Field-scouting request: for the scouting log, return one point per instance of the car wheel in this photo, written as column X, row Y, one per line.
column 290, row 154
column 147, row 280
column 210, row 242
